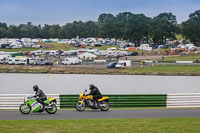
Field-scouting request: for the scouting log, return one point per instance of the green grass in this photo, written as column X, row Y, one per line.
column 158, row 125
column 179, row 37
column 56, row 46
column 183, row 58
column 19, row 49
column 147, row 70
column 105, row 47
column 46, row 46
column 165, row 70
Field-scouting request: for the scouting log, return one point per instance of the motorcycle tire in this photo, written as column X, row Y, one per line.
column 104, row 108
column 78, row 108
column 51, row 110
column 25, row 109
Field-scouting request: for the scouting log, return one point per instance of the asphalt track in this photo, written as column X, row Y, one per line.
column 97, row 114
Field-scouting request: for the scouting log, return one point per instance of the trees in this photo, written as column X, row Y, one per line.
column 81, row 29
column 104, row 18
column 44, row 32
column 3, row 30
column 107, row 26
column 90, row 29
column 54, row 31
column 13, row 32
column 163, row 26
column 191, row 27
column 125, row 25
column 137, row 28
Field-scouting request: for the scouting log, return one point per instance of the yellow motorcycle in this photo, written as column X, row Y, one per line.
column 87, row 100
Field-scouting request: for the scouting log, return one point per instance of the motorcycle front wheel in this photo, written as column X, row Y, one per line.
column 51, row 109
column 25, row 109
column 104, row 106
column 80, row 106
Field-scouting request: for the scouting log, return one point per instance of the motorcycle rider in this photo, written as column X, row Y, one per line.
column 96, row 93
column 40, row 94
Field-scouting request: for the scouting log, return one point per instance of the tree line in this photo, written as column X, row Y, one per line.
column 126, row 25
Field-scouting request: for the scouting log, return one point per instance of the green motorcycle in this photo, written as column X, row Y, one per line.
column 32, row 105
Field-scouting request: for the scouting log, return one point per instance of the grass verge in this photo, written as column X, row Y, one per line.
column 182, row 58
column 155, row 70
column 165, row 70
column 157, row 125
column 19, row 49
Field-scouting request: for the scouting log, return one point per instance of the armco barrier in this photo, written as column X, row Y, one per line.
column 13, row 101
column 151, row 100
column 183, row 100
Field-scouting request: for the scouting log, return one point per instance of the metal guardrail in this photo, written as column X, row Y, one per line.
column 13, row 101
column 140, row 100
column 183, row 100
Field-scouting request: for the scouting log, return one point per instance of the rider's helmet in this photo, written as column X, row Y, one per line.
column 91, row 86
column 35, row 88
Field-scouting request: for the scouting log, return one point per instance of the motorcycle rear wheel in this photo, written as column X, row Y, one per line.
column 25, row 109
column 52, row 109
column 105, row 107
column 80, row 107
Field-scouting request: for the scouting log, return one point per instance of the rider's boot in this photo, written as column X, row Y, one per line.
column 44, row 106
column 96, row 104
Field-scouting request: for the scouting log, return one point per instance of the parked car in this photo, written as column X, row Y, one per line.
column 109, row 56
column 133, row 54
column 164, row 46
column 97, row 45
column 112, row 65
column 48, row 62
column 160, row 46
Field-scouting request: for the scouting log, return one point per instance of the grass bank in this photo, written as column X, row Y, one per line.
column 19, row 49
column 165, row 125
column 165, row 70
column 182, row 58
column 155, row 70
column 54, row 46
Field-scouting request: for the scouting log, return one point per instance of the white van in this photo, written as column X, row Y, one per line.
column 17, row 61
column 4, row 59
column 71, row 61
column 123, row 64
column 30, row 61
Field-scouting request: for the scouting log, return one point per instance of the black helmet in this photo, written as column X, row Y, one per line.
column 91, row 86
column 35, row 88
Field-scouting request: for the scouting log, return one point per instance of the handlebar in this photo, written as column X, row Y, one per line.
column 30, row 97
